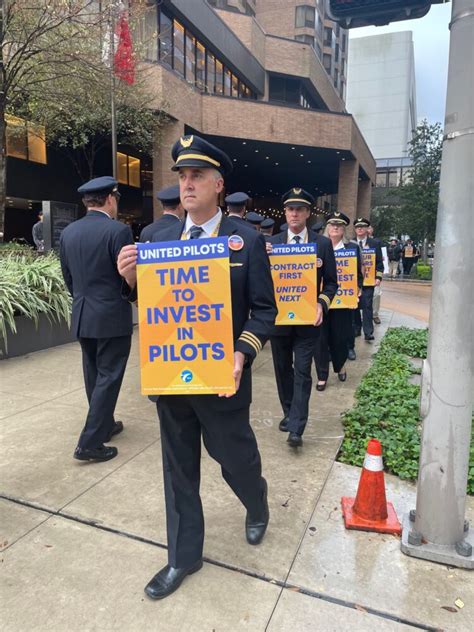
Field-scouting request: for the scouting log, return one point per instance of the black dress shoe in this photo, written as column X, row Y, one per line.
column 169, row 579
column 283, row 426
column 295, row 440
column 377, row 320
column 321, row 387
column 117, row 429
column 342, row 376
column 351, row 354
column 255, row 527
column 369, row 337
column 104, row 453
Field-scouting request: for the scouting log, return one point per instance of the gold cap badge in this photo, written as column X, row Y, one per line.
column 186, row 142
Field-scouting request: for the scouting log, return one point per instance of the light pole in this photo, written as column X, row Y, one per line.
column 437, row 529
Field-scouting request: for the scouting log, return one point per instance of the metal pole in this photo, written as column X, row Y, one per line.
column 113, row 115
column 437, row 530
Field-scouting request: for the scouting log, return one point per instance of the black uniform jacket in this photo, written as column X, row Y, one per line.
column 162, row 223
column 240, row 221
column 326, row 278
column 89, row 248
column 253, row 301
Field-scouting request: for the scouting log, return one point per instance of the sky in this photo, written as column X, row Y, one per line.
column 431, row 44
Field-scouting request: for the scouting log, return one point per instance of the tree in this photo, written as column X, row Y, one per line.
column 53, row 73
column 419, row 195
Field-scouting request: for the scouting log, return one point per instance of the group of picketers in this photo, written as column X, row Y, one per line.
column 98, row 259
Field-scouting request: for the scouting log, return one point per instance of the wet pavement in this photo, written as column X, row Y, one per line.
column 81, row 540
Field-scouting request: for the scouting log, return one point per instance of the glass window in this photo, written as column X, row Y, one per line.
column 394, row 177
column 381, row 179
column 36, row 143
column 128, row 170
column 344, row 43
column 122, row 175
column 134, row 172
column 227, row 83
column 336, row 54
column 166, row 39
column 319, row 52
column 200, row 66
column 327, row 62
column 341, row 90
column 327, row 36
column 190, row 58
column 304, row 17
column 211, row 73
column 219, row 77
column 336, row 77
column 146, row 33
column 16, row 137
column 306, row 39
column 343, row 65
column 235, row 86
column 178, row 49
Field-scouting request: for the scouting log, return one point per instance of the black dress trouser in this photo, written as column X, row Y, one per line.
column 365, row 304
column 103, row 363
column 333, row 344
column 292, row 360
column 229, row 439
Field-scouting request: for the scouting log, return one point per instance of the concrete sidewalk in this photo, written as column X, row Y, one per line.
column 80, row 541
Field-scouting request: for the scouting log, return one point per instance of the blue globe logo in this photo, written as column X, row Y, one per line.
column 186, row 376
column 291, row 315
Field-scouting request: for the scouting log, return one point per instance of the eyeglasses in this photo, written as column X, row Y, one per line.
column 117, row 195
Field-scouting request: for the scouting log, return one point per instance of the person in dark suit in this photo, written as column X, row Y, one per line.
column 293, row 347
column 254, row 220
column 336, row 332
column 223, row 422
column 366, row 298
column 173, row 212
column 101, row 318
column 236, row 206
column 266, row 227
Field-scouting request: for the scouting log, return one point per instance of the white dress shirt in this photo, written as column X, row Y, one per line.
column 208, row 228
column 303, row 236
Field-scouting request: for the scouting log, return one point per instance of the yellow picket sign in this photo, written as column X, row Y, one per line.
column 368, row 266
column 346, row 265
column 294, row 276
column 185, row 317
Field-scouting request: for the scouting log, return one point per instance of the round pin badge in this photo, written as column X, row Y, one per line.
column 319, row 262
column 235, row 242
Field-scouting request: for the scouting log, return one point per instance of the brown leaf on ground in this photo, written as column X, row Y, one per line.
column 360, row 608
column 449, row 608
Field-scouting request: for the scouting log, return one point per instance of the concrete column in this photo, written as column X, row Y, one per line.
column 364, row 196
column 162, row 162
column 347, row 198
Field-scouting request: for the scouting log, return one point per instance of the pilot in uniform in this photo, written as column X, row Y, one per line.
column 101, row 318
column 222, row 422
column 173, row 212
column 293, row 346
column 236, row 206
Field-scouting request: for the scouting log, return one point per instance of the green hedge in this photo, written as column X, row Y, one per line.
column 31, row 285
column 422, row 271
column 387, row 408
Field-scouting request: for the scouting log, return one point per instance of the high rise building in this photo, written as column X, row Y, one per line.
column 381, row 95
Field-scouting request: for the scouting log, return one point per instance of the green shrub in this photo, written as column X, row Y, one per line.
column 31, row 285
column 387, row 407
column 423, row 271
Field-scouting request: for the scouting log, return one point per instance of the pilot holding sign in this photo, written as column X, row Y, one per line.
column 222, row 421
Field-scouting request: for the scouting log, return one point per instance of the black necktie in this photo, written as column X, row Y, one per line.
column 297, row 239
column 361, row 244
column 195, row 232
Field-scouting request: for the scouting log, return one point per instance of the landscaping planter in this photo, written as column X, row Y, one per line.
column 28, row 338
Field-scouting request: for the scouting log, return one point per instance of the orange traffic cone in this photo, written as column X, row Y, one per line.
column 370, row 511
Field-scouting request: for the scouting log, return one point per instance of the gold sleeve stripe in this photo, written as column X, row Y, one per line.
column 379, row 275
column 251, row 344
column 253, row 337
column 252, row 340
column 325, row 298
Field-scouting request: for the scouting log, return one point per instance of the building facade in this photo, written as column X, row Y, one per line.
column 239, row 73
column 263, row 96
